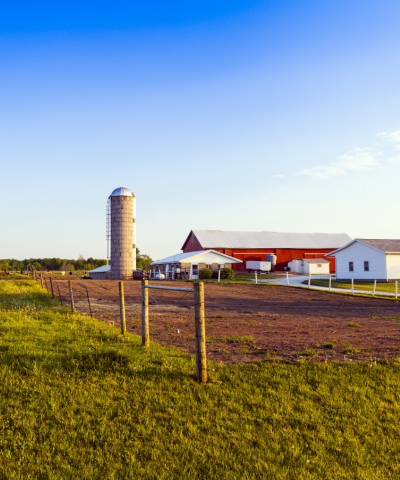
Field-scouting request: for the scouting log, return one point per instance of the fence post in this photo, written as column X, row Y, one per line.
column 59, row 293
column 200, row 329
column 373, row 292
column 352, row 286
column 255, row 273
column 122, row 307
column 309, row 280
column 219, row 275
column 41, row 278
column 330, row 283
column 287, row 278
column 145, row 315
column 395, row 289
column 51, row 285
column 88, row 299
column 71, row 296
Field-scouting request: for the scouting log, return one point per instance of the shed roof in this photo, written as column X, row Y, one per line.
column 188, row 256
column 234, row 239
column 103, row 268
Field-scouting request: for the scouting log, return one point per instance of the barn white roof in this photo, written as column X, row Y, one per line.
column 201, row 256
column 233, row 239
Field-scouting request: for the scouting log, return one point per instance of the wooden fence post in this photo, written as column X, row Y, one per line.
column 309, row 280
column 122, row 307
column 373, row 292
column 88, row 299
column 41, row 278
column 145, row 315
column 255, row 275
column 71, row 296
column 219, row 275
column 59, row 293
column 51, row 285
column 330, row 283
column 287, row 278
column 352, row 286
column 200, row 329
column 395, row 289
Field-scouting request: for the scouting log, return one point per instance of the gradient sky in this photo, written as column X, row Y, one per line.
column 232, row 115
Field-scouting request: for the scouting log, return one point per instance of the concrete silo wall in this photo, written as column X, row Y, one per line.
column 122, row 239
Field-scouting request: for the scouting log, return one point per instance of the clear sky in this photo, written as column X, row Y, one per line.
column 233, row 115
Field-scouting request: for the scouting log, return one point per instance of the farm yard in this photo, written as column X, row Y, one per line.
column 247, row 323
column 79, row 400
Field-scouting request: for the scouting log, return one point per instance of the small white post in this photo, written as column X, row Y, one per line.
column 287, row 278
column 255, row 273
column 309, row 280
column 373, row 292
column 395, row 289
column 352, row 286
column 330, row 282
column 219, row 275
column 173, row 273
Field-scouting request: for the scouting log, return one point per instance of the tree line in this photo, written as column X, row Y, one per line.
column 61, row 264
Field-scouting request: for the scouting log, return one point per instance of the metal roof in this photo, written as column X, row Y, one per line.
column 179, row 257
column 386, row 245
column 233, row 239
column 122, row 192
column 103, row 268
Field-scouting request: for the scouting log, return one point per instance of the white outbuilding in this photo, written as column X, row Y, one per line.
column 188, row 264
column 313, row 266
column 101, row 273
column 365, row 259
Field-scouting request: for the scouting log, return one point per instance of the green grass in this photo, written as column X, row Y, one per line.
column 80, row 401
column 346, row 285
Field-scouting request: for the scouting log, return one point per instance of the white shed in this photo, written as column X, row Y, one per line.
column 101, row 273
column 311, row 266
column 366, row 259
column 188, row 265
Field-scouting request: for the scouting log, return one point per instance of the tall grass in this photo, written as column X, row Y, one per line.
column 78, row 400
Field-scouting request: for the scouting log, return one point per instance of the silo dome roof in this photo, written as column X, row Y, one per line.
column 122, row 192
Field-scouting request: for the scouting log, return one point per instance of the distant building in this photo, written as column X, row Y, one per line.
column 101, row 273
column 309, row 266
column 256, row 246
column 188, row 265
column 365, row 259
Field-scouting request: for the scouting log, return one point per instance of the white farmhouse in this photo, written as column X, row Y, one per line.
column 363, row 259
column 310, row 266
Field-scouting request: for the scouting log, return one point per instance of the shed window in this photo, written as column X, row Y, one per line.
column 351, row 266
column 319, row 265
column 366, row 266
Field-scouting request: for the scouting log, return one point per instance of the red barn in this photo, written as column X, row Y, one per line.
column 248, row 246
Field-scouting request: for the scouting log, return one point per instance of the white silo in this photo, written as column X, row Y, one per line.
column 122, row 231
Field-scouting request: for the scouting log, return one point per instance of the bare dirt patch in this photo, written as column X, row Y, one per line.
column 245, row 323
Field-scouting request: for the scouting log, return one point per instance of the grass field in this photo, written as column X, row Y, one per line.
column 380, row 287
column 80, row 401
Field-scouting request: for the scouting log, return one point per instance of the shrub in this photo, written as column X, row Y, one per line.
column 227, row 273
column 205, row 273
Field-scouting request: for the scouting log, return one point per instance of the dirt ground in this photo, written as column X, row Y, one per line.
column 246, row 323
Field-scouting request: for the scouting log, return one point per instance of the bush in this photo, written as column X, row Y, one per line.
column 227, row 273
column 205, row 273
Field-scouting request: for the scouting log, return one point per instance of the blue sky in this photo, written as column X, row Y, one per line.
column 256, row 115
